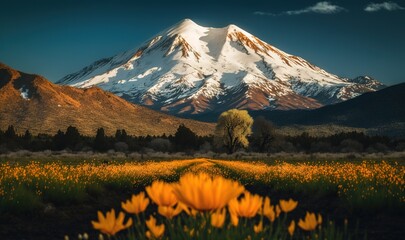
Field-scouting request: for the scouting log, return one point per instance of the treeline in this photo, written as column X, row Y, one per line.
column 183, row 140
column 263, row 139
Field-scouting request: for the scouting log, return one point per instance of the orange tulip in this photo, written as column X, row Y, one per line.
column 248, row 206
column 137, row 204
column 288, row 206
column 291, row 228
column 155, row 231
column 109, row 224
column 218, row 218
column 259, row 227
column 234, row 218
column 204, row 193
column 310, row 222
column 169, row 212
column 161, row 193
column 268, row 210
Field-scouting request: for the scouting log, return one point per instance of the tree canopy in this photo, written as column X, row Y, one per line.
column 232, row 129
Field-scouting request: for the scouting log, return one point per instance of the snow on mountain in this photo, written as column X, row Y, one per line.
column 192, row 69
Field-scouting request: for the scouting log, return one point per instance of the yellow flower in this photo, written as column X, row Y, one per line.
column 190, row 211
column 278, row 210
column 268, row 210
column 161, row 193
column 202, row 192
column 291, row 228
column 259, row 227
column 247, row 206
column 137, row 204
column 288, row 206
column 310, row 222
column 169, row 212
column 154, row 231
column 109, row 224
column 234, row 218
column 319, row 219
column 218, row 218
column 191, row 233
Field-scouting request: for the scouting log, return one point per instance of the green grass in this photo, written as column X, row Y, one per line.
column 21, row 201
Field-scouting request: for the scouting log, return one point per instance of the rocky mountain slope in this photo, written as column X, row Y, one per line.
column 31, row 102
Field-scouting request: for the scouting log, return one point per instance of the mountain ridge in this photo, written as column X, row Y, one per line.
column 382, row 111
column 373, row 109
column 29, row 101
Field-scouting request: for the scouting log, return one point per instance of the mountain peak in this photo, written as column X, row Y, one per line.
column 233, row 27
column 187, row 21
column 193, row 69
column 184, row 26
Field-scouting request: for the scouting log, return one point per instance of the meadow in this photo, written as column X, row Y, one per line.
column 48, row 199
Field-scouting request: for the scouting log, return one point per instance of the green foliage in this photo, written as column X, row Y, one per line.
column 232, row 129
column 65, row 194
column 10, row 133
column 199, row 227
column 263, row 134
column 21, row 200
column 100, row 142
column 72, row 137
column 185, row 139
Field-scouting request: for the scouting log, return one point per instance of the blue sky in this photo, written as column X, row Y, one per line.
column 348, row 38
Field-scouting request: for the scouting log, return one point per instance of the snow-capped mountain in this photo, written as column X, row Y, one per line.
column 190, row 69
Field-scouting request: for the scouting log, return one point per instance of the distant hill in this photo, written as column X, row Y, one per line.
column 383, row 112
column 373, row 109
column 31, row 102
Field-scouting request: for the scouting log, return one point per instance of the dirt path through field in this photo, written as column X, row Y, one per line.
column 203, row 165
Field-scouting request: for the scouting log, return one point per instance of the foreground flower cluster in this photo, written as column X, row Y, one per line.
column 200, row 206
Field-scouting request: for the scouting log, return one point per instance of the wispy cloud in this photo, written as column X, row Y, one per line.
column 264, row 13
column 320, row 7
column 389, row 6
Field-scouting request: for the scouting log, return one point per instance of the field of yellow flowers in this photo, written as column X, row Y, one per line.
column 227, row 199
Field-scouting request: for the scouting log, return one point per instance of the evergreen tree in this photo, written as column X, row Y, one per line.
column 10, row 138
column 100, row 142
column 185, row 139
column 27, row 139
column 58, row 140
column 124, row 136
column 121, row 135
column 118, row 135
column 10, row 133
column 72, row 137
column 1, row 137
